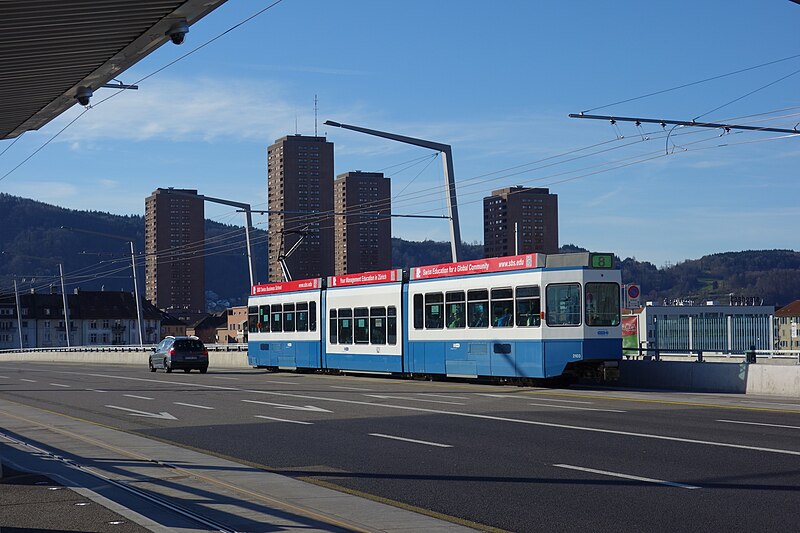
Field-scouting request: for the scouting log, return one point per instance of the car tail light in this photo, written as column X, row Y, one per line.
column 171, row 351
column 205, row 352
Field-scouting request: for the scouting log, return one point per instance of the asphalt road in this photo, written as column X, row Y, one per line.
column 518, row 459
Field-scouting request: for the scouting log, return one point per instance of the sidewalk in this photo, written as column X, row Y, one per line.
column 241, row 497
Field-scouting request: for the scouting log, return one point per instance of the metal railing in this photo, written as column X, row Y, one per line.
column 747, row 356
column 123, row 348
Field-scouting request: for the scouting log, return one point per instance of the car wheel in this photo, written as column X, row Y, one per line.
column 167, row 367
column 203, row 370
column 150, row 365
column 187, row 370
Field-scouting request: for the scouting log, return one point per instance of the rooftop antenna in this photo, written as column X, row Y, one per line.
column 315, row 115
column 295, row 123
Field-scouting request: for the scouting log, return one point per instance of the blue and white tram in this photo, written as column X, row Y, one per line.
column 364, row 312
column 283, row 326
column 529, row 316
column 520, row 317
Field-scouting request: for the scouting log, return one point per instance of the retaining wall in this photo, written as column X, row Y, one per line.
column 216, row 359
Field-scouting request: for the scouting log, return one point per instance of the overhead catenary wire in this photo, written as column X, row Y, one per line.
column 685, row 85
column 223, row 245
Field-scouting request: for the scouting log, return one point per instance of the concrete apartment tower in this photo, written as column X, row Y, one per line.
column 174, row 231
column 300, row 196
column 362, row 201
column 533, row 212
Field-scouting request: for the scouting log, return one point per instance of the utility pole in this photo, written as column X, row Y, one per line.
column 136, row 295
column 66, row 309
column 449, row 178
column 19, row 315
column 133, row 267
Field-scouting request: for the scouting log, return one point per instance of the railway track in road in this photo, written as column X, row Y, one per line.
column 149, row 497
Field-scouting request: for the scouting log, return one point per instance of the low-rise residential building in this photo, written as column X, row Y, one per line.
column 787, row 327
column 96, row 318
column 205, row 329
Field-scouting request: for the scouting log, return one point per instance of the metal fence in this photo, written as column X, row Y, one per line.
column 123, row 348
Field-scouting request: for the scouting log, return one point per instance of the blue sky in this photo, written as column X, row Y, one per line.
column 496, row 80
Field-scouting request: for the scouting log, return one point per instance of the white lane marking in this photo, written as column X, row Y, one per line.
column 411, row 440
column 489, row 395
column 136, row 412
column 96, row 390
column 548, row 399
column 139, row 397
column 452, row 413
column 60, row 385
column 225, row 377
column 386, row 396
column 758, row 424
column 292, row 407
column 283, row 420
column 28, row 380
column 192, row 405
column 280, row 382
column 578, row 408
column 350, row 388
column 442, row 396
column 771, row 404
column 4, row 377
column 628, row 476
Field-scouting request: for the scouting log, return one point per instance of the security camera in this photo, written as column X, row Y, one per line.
column 83, row 94
column 177, row 32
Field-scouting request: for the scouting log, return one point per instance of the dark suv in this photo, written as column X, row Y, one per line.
column 183, row 353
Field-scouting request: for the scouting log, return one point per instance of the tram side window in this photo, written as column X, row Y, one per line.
column 528, row 306
column 312, row 316
column 455, row 304
column 391, row 324
column 288, row 317
column 345, row 326
column 419, row 312
column 563, row 304
column 333, row 327
column 361, row 329
column 602, row 304
column 377, row 325
column 302, row 317
column 252, row 319
column 277, row 317
column 434, row 310
column 263, row 318
column 478, row 308
column 502, row 308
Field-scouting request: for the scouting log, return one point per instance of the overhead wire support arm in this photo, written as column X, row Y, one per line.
column 449, row 176
column 690, row 123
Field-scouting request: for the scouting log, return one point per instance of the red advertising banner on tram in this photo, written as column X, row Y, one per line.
column 285, row 286
column 477, row 266
column 365, row 278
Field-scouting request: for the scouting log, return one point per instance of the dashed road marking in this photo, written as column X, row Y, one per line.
column 415, row 441
column 627, row 476
column 758, row 424
column 283, row 420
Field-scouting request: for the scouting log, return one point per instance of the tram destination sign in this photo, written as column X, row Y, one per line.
column 477, row 266
column 285, row 286
column 365, row 278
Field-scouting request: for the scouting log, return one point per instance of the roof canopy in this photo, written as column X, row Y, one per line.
column 50, row 48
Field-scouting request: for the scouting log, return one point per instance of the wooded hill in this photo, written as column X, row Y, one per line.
column 32, row 244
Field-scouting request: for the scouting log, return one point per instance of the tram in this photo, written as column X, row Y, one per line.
column 529, row 316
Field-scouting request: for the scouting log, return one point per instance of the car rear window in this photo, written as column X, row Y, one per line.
column 189, row 344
